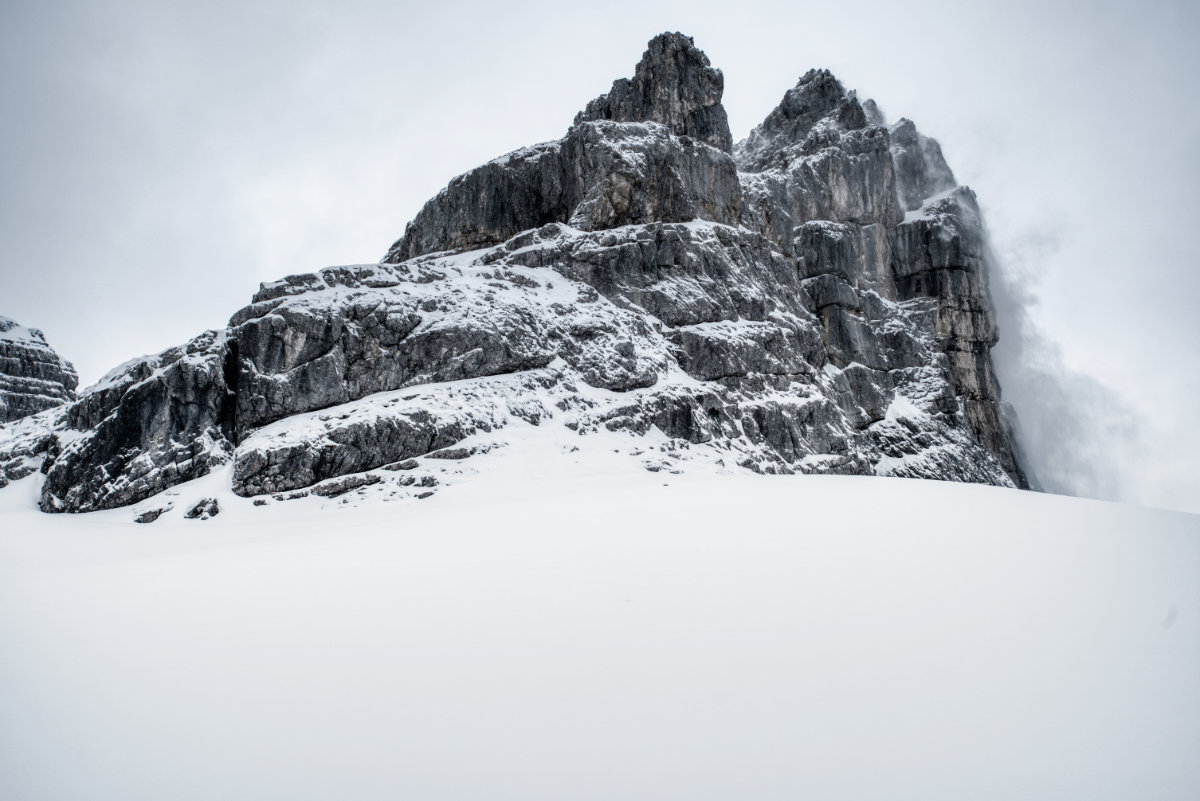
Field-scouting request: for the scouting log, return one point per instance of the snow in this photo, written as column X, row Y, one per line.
column 12, row 331
column 930, row 208
column 903, row 407
column 558, row 624
column 530, row 153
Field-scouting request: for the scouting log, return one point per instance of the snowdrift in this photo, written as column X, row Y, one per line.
column 578, row 630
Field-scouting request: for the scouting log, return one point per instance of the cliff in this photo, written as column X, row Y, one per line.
column 813, row 299
column 33, row 377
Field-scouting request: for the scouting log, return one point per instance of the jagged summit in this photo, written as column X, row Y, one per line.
column 33, row 377
column 668, row 117
column 813, row 300
column 816, row 97
column 674, row 85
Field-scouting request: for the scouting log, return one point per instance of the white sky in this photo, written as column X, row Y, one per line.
column 160, row 160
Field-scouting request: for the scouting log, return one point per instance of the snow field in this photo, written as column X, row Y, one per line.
column 560, row 631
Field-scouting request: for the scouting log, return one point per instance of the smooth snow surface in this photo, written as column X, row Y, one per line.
column 560, row 635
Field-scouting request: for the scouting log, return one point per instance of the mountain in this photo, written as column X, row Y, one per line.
column 33, row 377
column 572, row 378
column 813, row 299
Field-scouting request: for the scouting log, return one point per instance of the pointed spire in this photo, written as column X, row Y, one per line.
column 674, row 85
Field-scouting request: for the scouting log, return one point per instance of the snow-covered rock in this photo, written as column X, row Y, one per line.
column 33, row 377
column 812, row 300
column 673, row 85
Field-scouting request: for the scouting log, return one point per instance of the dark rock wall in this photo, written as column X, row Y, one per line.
column 874, row 210
column 159, row 422
column 33, row 377
column 673, row 85
column 600, row 175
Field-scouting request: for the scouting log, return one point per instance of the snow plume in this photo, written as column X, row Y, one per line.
column 1073, row 430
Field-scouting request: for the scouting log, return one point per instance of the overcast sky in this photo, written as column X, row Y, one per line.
column 161, row 159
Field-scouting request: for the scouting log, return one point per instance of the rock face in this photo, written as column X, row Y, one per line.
column 144, row 427
column 812, row 300
column 673, row 85
column 33, row 377
column 600, row 175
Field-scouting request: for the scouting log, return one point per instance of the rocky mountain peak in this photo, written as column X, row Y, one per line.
column 817, row 97
column 674, row 85
column 656, row 148
column 815, row 301
column 33, row 377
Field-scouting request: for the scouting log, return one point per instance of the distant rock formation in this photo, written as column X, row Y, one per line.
column 813, row 299
column 33, row 377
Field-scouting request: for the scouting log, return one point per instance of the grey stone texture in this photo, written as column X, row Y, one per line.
column 146, row 426
column 814, row 299
column 673, row 85
column 33, row 377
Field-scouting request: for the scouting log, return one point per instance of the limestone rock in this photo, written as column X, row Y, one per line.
column 813, row 300
column 150, row 515
column 674, row 85
column 815, row 157
column 600, row 175
column 816, row 105
column 33, row 377
column 203, row 510
column 146, row 426
column 656, row 148
column 921, row 170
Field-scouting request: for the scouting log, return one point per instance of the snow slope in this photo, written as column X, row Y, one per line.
column 555, row 625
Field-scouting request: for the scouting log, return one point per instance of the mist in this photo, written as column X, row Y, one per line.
column 1071, row 428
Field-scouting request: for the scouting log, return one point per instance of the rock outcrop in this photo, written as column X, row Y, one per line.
column 814, row 299
column 600, row 175
column 146, row 426
column 33, row 377
column 673, row 85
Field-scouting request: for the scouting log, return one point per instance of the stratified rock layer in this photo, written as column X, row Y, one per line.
column 33, row 377
column 812, row 300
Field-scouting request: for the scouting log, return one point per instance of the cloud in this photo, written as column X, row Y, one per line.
column 1073, row 430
